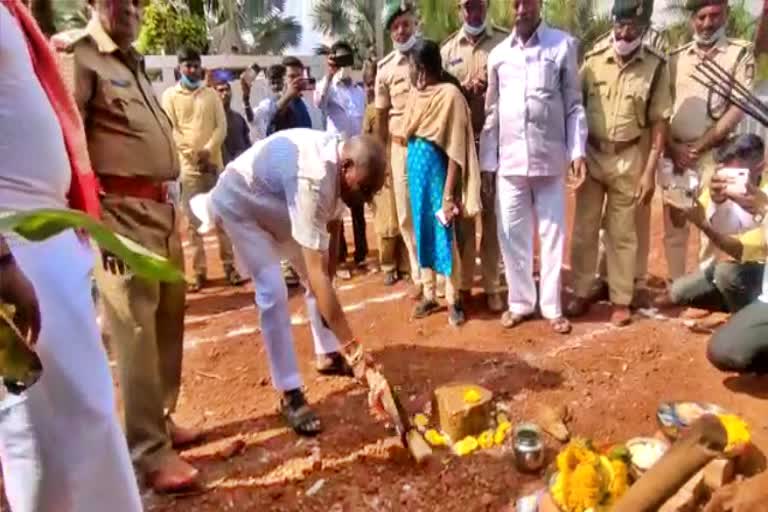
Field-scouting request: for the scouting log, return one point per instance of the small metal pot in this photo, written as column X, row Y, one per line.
column 529, row 449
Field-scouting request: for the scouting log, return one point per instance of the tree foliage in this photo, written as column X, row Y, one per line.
column 69, row 14
column 166, row 29
column 353, row 21
column 257, row 25
column 273, row 33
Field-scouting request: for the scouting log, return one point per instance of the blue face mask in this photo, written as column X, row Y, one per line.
column 189, row 83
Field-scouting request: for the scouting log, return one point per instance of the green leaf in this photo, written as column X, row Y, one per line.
column 38, row 225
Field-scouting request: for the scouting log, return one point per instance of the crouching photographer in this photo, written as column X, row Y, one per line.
column 725, row 213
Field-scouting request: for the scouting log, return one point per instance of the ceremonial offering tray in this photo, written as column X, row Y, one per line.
column 675, row 417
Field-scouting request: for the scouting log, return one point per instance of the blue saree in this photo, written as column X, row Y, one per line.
column 427, row 172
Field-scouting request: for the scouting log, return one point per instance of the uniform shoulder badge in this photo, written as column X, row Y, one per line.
column 67, row 40
column 386, row 59
column 655, row 52
column 602, row 44
column 741, row 42
column 680, row 49
column 449, row 38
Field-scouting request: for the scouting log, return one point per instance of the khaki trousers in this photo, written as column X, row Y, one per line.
column 607, row 198
column 192, row 185
column 398, row 158
column 489, row 244
column 393, row 255
column 146, row 324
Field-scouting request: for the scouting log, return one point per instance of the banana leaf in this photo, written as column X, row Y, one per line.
column 38, row 225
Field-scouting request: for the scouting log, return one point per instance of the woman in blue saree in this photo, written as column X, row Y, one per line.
column 443, row 174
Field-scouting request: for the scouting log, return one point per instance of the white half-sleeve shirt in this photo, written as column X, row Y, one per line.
column 34, row 166
column 288, row 184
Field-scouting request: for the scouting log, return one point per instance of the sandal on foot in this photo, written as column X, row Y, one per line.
column 561, row 325
column 299, row 416
column 425, row 308
column 333, row 364
column 390, row 278
column 510, row 319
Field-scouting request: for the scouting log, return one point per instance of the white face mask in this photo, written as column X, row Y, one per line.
column 475, row 31
column 709, row 41
column 406, row 46
column 624, row 48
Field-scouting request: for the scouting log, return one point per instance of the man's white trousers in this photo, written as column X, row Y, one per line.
column 526, row 207
column 261, row 254
column 61, row 446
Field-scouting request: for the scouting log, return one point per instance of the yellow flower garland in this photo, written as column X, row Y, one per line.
column 587, row 481
column 737, row 430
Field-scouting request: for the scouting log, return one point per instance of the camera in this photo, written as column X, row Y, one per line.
column 678, row 189
column 308, row 84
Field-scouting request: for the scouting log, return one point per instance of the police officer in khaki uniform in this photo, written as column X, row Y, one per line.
column 659, row 41
column 465, row 56
column 393, row 84
column 131, row 147
column 393, row 257
column 701, row 120
column 627, row 98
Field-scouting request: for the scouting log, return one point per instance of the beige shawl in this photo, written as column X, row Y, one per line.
column 441, row 115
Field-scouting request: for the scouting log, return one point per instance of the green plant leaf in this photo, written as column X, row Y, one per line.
column 38, row 225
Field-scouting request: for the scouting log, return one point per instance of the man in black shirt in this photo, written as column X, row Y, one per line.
column 238, row 134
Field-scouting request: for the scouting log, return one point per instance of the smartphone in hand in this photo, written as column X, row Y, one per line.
column 736, row 179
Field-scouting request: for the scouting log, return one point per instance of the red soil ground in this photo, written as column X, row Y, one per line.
column 612, row 380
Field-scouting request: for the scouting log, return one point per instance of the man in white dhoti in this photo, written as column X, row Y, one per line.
column 61, row 446
column 534, row 131
column 283, row 199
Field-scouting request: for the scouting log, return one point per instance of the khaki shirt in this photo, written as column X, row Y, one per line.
column 128, row 132
column 199, row 122
column 467, row 61
column 695, row 109
column 618, row 99
column 393, row 82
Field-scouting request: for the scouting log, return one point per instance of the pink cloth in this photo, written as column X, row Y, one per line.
column 83, row 191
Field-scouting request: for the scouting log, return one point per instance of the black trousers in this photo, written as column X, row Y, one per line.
column 358, row 231
column 741, row 345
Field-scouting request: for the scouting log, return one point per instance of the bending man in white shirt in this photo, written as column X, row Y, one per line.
column 534, row 131
column 283, row 199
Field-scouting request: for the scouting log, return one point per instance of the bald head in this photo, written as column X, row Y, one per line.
column 363, row 169
column 121, row 19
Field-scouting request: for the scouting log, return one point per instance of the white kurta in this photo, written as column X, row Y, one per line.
column 61, row 446
column 535, row 127
column 274, row 200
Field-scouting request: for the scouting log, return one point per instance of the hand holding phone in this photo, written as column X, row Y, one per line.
column 736, row 179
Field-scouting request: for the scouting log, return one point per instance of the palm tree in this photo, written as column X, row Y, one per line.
column 274, row 33
column 260, row 21
column 352, row 20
